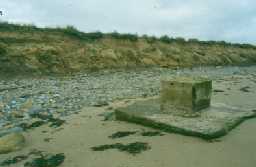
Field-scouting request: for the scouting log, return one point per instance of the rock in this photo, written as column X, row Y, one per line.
column 27, row 105
column 11, row 130
column 35, row 110
column 11, row 142
column 17, row 114
column 1, row 106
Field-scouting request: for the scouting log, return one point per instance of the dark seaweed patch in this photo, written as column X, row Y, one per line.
column 54, row 122
column 48, row 139
column 245, row 89
column 35, row 124
column 14, row 160
column 122, row 134
column 46, row 161
column 154, row 133
column 218, row 90
column 132, row 148
column 42, row 160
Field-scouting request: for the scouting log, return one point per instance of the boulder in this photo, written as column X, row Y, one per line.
column 11, row 142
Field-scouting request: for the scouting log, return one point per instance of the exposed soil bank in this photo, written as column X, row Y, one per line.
column 26, row 50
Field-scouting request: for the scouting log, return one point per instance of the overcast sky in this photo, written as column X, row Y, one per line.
column 230, row 20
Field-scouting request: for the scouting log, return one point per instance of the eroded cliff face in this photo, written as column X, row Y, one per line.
column 55, row 52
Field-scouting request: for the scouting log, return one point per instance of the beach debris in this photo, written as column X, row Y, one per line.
column 132, row 148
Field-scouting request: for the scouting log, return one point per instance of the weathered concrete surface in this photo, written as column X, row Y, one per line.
column 214, row 122
column 11, row 142
column 185, row 96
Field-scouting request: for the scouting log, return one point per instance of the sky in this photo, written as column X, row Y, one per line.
column 229, row 20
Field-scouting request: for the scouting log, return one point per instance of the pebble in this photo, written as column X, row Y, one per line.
column 69, row 94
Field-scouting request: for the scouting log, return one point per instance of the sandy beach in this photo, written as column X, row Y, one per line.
column 86, row 129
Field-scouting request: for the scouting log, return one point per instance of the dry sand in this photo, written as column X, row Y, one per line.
column 86, row 129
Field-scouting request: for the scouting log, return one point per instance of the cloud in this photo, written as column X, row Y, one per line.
column 233, row 21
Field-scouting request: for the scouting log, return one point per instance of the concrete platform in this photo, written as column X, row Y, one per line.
column 214, row 122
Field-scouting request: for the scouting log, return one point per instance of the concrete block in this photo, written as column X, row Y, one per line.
column 214, row 122
column 185, row 96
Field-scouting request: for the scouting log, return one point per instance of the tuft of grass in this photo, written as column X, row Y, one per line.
column 3, row 50
column 90, row 37
column 149, row 39
column 130, row 37
column 166, row 39
column 5, row 26
column 73, row 32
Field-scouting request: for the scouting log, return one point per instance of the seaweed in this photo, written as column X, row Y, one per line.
column 108, row 116
column 33, row 125
column 42, row 160
column 46, row 161
column 54, row 122
column 152, row 133
column 48, row 139
column 245, row 89
column 132, row 148
column 14, row 160
column 218, row 90
column 128, row 133
column 122, row 134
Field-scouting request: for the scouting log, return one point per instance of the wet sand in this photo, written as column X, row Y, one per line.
column 86, row 130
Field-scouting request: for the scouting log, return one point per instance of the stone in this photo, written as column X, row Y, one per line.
column 1, row 106
column 27, row 105
column 214, row 122
column 11, row 130
column 185, row 96
column 11, row 142
column 35, row 109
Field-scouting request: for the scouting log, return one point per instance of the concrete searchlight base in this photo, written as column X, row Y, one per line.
column 184, row 107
